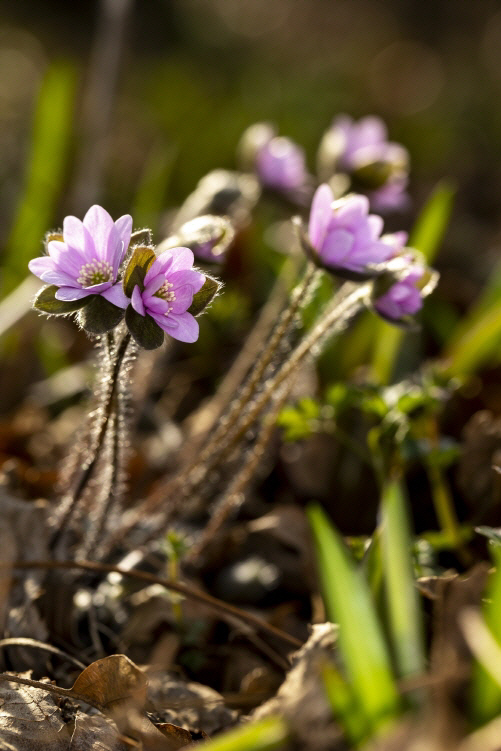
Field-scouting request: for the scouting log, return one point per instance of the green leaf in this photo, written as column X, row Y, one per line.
column 486, row 692
column 100, row 315
column 432, row 222
column 145, row 331
column 204, row 296
column 344, row 705
column 46, row 166
column 46, row 302
column 140, row 262
column 405, row 618
column 141, row 236
column 264, row 735
column 361, row 643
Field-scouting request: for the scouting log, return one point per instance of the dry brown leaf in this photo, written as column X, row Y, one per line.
column 95, row 733
column 111, row 681
column 30, row 720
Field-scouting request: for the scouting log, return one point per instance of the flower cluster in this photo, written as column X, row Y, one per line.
column 345, row 239
column 85, row 269
column 375, row 166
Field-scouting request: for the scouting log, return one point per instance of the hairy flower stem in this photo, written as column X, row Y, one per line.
column 234, row 496
column 104, row 415
column 349, row 300
column 207, row 416
column 218, row 439
column 298, row 298
column 345, row 305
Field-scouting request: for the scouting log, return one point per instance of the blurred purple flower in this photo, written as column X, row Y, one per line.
column 343, row 234
column 281, row 164
column 362, row 149
column 169, row 286
column 87, row 261
column 365, row 142
column 404, row 298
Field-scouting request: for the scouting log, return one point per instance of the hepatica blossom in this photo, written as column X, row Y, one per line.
column 344, row 235
column 377, row 166
column 404, row 298
column 167, row 292
column 87, row 260
column 280, row 164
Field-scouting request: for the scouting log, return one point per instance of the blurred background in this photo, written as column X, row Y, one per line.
column 129, row 104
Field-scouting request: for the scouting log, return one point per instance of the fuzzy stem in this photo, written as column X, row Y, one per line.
column 298, row 297
column 346, row 303
column 104, row 414
column 220, row 437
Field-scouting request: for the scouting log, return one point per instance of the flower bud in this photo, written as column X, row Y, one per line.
column 209, row 237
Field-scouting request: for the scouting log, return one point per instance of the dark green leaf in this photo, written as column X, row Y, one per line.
column 141, row 237
column 46, row 302
column 140, row 262
column 100, row 315
column 145, row 331
column 204, row 296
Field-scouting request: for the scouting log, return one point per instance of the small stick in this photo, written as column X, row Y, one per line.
column 184, row 589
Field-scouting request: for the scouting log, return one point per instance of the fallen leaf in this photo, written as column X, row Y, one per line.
column 111, row 681
column 30, row 720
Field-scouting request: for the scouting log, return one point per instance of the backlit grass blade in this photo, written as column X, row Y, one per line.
column 45, row 171
column 404, row 614
column 475, row 345
column 345, row 707
column 426, row 237
column 361, row 643
column 486, row 692
column 264, row 735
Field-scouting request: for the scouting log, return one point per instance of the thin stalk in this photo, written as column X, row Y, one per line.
column 271, row 310
column 234, row 496
column 347, row 302
column 298, row 297
column 105, row 411
column 219, row 606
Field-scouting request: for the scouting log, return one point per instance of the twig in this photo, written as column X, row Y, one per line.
column 195, row 594
column 22, row 641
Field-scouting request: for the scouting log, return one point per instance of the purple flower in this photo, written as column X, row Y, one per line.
column 365, row 142
column 362, row 149
column 280, row 164
column 87, row 261
column 343, row 233
column 169, row 286
column 404, row 298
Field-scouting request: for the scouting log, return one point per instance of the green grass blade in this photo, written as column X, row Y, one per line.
column 429, row 229
column 404, row 613
column 345, row 707
column 150, row 197
column 45, row 171
column 265, row 735
column 474, row 346
column 426, row 237
column 361, row 643
column 486, row 692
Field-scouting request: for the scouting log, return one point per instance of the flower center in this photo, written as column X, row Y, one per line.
column 166, row 293
column 95, row 272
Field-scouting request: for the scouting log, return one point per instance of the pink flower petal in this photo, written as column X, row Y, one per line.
column 337, row 246
column 116, row 295
column 180, row 278
column 320, row 215
column 182, row 258
column 187, row 329
column 137, row 301
column 124, row 230
column 104, row 234
column 72, row 293
column 157, row 305
column 154, row 284
column 184, row 298
column 39, row 266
